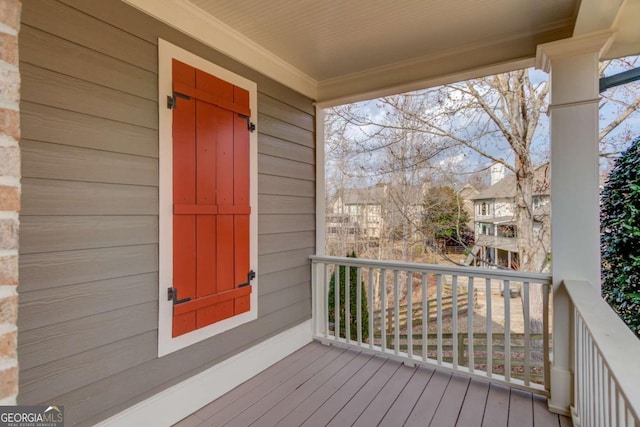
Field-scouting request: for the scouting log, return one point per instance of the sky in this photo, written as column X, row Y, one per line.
column 466, row 160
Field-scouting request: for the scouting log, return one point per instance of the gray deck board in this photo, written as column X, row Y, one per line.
column 497, row 409
column 520, row 409
column 426, row 406
column 357, row 405
column 474, row 404
column 407, row 399
column 328, row 389
column 452, row 401
column 387, row 396
column 320, row 386
column 264, row 404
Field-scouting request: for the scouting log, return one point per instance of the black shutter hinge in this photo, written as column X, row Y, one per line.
column 172, row 294
column 250, row 125
column 250, row 276
column 172, row 101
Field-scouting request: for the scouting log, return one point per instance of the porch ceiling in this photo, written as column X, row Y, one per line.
column 342, row 51
column 330, row 39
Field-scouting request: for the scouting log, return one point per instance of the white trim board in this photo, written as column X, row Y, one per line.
column 181, row 400
column 167, row 344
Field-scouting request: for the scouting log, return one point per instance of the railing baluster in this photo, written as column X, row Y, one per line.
column 425, row 317
column 396, row 309
column 527, row 330
column 383, row 312
column 546, row 288
column 470, row 308
column 347, row 303
column 370, row 300
column 410, row 313
column 454, row 320
column 359, row 304
column 487, row 296
column 577, row 378
column 507, row 331
column 336, row 299
column 439, row 317
column 325, row 293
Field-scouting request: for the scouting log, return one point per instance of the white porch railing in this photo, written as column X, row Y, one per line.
column 606, row 363
column 471, row 320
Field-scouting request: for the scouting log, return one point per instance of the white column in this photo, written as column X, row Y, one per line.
column 575, row 227
column 319, row 308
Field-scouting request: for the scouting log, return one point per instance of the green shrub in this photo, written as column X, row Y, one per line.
column 353, row 301
column 620, row 238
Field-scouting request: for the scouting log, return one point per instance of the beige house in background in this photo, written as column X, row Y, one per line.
column 495, row 226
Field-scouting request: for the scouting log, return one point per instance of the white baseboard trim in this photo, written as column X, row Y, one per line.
column 179, row 401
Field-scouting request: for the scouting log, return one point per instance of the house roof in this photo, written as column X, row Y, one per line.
column 506, row 187
column 338, row 52
column 363, row 196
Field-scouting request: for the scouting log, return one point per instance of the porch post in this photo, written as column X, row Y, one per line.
column 318, row 278
column 575, row 237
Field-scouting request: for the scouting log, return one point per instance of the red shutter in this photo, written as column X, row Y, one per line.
column 210, row 199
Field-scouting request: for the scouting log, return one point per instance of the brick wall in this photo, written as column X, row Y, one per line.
column 9, row 197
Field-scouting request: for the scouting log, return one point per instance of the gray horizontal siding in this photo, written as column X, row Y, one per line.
column 65, row 339
column 273, row 224
column 285, row 149
column 89, row 224
column 60, row 304
column 122, row 390
column 62, row 162
column 48, row 124
column 284, row 279
column 82, row 29
column 52, row 269
column 73, row 94
column 278, row 185
column 56, row 197
column 279, row 261
column 65, row 233
column 86, row 64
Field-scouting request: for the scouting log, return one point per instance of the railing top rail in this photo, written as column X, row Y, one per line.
column 616, row 343
column 436, row 269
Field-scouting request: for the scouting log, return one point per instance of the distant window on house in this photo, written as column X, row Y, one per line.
column 508, row 231
column 484, row 208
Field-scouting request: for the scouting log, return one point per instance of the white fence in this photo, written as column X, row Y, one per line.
column 606, row 362
column 483, row 322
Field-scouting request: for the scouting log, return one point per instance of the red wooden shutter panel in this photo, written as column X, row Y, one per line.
column 211, row 199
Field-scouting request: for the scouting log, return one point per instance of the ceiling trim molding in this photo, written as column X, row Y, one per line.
column 448, row 66
column 597, row 42
column 425, row 83
column 202, row 26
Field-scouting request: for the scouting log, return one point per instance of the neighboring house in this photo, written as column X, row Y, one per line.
column 363, row 207
column 361, row 215
column 466, row 195
column 494, row 218
column 145, row 271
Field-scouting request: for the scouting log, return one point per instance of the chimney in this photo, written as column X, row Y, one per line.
column 497, row 173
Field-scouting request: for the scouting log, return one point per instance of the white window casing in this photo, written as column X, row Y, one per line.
column 167, row 344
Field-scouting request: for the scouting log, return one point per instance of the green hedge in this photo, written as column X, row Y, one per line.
column 620, row 238
column 353, row 301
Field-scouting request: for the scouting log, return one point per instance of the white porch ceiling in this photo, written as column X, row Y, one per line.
column 333, row 38
column 346, row 50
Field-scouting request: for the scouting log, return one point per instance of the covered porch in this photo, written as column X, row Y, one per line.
column 94, row 301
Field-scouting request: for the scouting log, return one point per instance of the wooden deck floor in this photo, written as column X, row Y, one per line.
column 320, row 385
